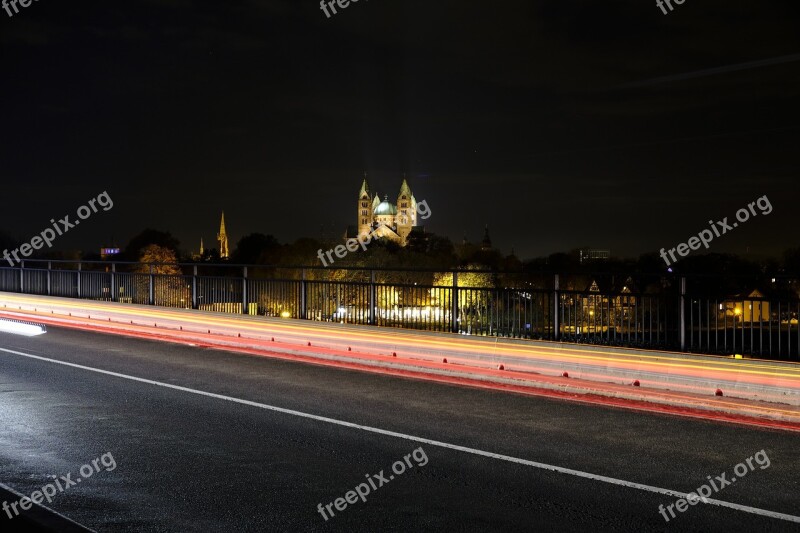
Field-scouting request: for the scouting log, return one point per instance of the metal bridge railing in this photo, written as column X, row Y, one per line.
column 653, row 313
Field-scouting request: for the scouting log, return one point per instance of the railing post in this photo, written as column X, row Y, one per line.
column 21, row 276
column 372, row 298
column 683, row 314
column 454, row 304
column 556, row 305
column 152, row 293
column 114, row 282
column 244, row 291
column 49, row 281
column 194, row 287
column 79, row 279
column 303, row 293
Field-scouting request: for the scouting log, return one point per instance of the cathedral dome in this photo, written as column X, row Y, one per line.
column 386, row 208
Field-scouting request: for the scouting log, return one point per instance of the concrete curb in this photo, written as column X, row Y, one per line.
column 671, row 378
column 510, row 380
column 771, row 381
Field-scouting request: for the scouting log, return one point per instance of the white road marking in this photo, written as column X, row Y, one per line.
column 49, row 510
column 439, row 444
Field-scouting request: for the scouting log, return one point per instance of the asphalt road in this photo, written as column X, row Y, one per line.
column 187, row 461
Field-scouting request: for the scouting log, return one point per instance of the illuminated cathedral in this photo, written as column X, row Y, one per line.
column 384, row 219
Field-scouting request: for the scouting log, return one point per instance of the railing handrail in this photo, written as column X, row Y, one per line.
column 674, row 276
column 667, row 315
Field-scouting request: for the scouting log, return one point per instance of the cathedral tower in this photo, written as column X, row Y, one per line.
column 364, row 209
column 406, row 211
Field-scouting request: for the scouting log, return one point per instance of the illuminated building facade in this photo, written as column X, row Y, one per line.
column 384, row 219
column 222, row 238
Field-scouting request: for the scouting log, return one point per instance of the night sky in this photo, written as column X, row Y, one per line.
column 558, row 123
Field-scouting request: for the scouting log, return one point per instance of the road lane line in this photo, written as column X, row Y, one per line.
column 439, row 444
column 44, row 516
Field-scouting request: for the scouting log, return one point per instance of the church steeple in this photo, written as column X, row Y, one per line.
column 486, row 243
column 406, row 211
column 364, row 208
column 222, row 237
column 364, row 187
column 202, row 250
column 404, row 188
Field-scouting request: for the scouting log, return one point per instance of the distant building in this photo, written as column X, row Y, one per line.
column 105, row 253
column 199, row 256
column 211, row 254
column 384, row 219
column 745, row 307
column 586, row 255
column 222, row 238
column 486, row 243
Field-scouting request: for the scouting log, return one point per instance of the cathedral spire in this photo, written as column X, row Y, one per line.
column 364, row 187
column 222, row 237
column 486, row 243
column 404, row 188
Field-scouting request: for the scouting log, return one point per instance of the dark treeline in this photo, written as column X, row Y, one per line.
column 433, row 252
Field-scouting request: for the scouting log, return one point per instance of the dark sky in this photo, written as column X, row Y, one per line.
column 560, row 123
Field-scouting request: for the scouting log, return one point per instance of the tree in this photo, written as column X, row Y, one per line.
column 491, row 259
column 474, row 296
column 302, row 252
column 791, row 260
column 256, row 248
column 149, row 236
column 210, row 255
column 162, row 259
column 170, row 288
